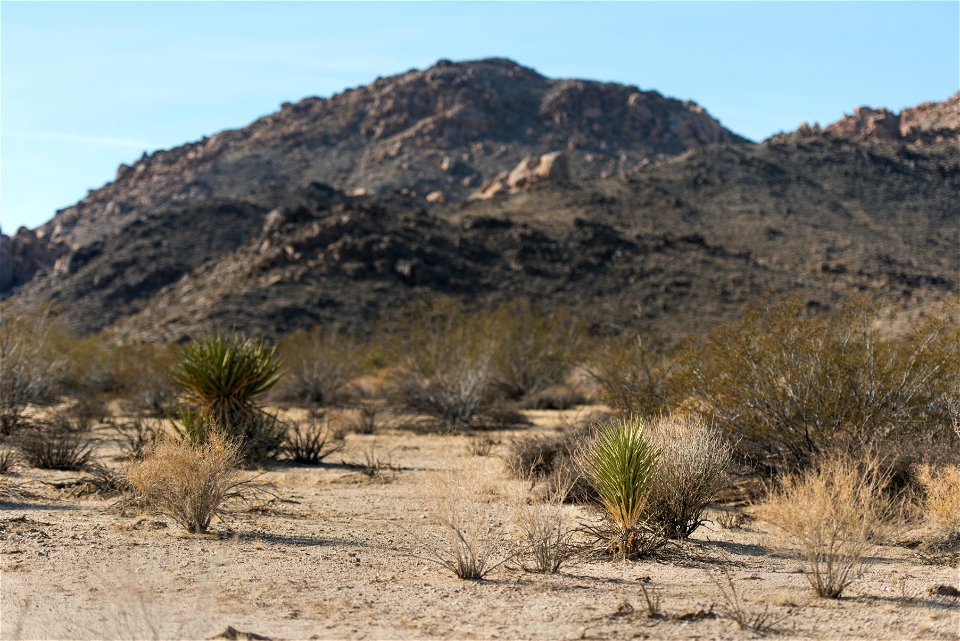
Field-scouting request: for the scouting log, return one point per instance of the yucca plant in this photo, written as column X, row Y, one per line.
column 222, row 375
column 620, row 465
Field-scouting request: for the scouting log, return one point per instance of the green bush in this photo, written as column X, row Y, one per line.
column 533, row 350
column 790, row 386
column 29, row 368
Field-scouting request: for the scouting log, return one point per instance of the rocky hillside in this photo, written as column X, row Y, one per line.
column 442, row 131
column 486, row 181
column 673, row 248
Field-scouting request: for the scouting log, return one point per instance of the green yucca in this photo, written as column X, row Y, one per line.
column 620, row 465
column 223, row 375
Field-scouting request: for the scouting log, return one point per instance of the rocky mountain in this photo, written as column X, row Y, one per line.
column 486, row 181
column 442, row 131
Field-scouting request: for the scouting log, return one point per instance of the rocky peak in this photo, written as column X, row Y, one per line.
column 927, row 122
column 443, row 131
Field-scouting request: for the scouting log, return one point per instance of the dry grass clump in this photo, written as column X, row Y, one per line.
column 474, row 542
column 189, row 482
column 311, row 442
column 758, row 621
column 58, row 444
column 545, row 535
column 693, row 467
column 831, row 514
column 941, row 501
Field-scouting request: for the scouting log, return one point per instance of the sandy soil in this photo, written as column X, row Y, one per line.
column 338, row 558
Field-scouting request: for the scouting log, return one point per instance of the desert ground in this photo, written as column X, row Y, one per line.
column 339, row 551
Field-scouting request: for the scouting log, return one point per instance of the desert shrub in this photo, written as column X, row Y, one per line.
column 830, row 514
column 632, row 375
column 532, row 349
column 545, row 536
column 56, row 444
column 142, row 380
column 693, row 467
column 620, row 465
column 551, row 460
column 554, row 397
column 311, row 442
column 29, row 368
column 8, row 459
column 107, row 481
column 188, row 482
column 790, row 386
column 473, row 543
column 321, row 365
column 941, row 501
column 445, row 365
column 736, row 609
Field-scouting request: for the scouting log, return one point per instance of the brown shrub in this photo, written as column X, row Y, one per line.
column 693, row 468
column 831, row 514
column 551, row 460
column 190, row 483
column 311, row 442
column 546, row 537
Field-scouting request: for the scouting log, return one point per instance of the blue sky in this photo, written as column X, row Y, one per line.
column 86, row 86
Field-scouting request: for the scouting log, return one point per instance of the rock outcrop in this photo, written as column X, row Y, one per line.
column 23, row 256
column 529, row 173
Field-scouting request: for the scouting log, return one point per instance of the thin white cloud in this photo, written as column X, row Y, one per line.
column 79, row 139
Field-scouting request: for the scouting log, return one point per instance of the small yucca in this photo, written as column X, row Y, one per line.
column 223, row 375
column 620, row 465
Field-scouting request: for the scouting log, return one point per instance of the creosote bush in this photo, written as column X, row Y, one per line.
column 693, row 467
column 29, row 368
column 188, row 482
column 791, row 386
column 446, row 368
column 533, row 350
column 321, row 365
column 831, row 514
column 620, row 464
